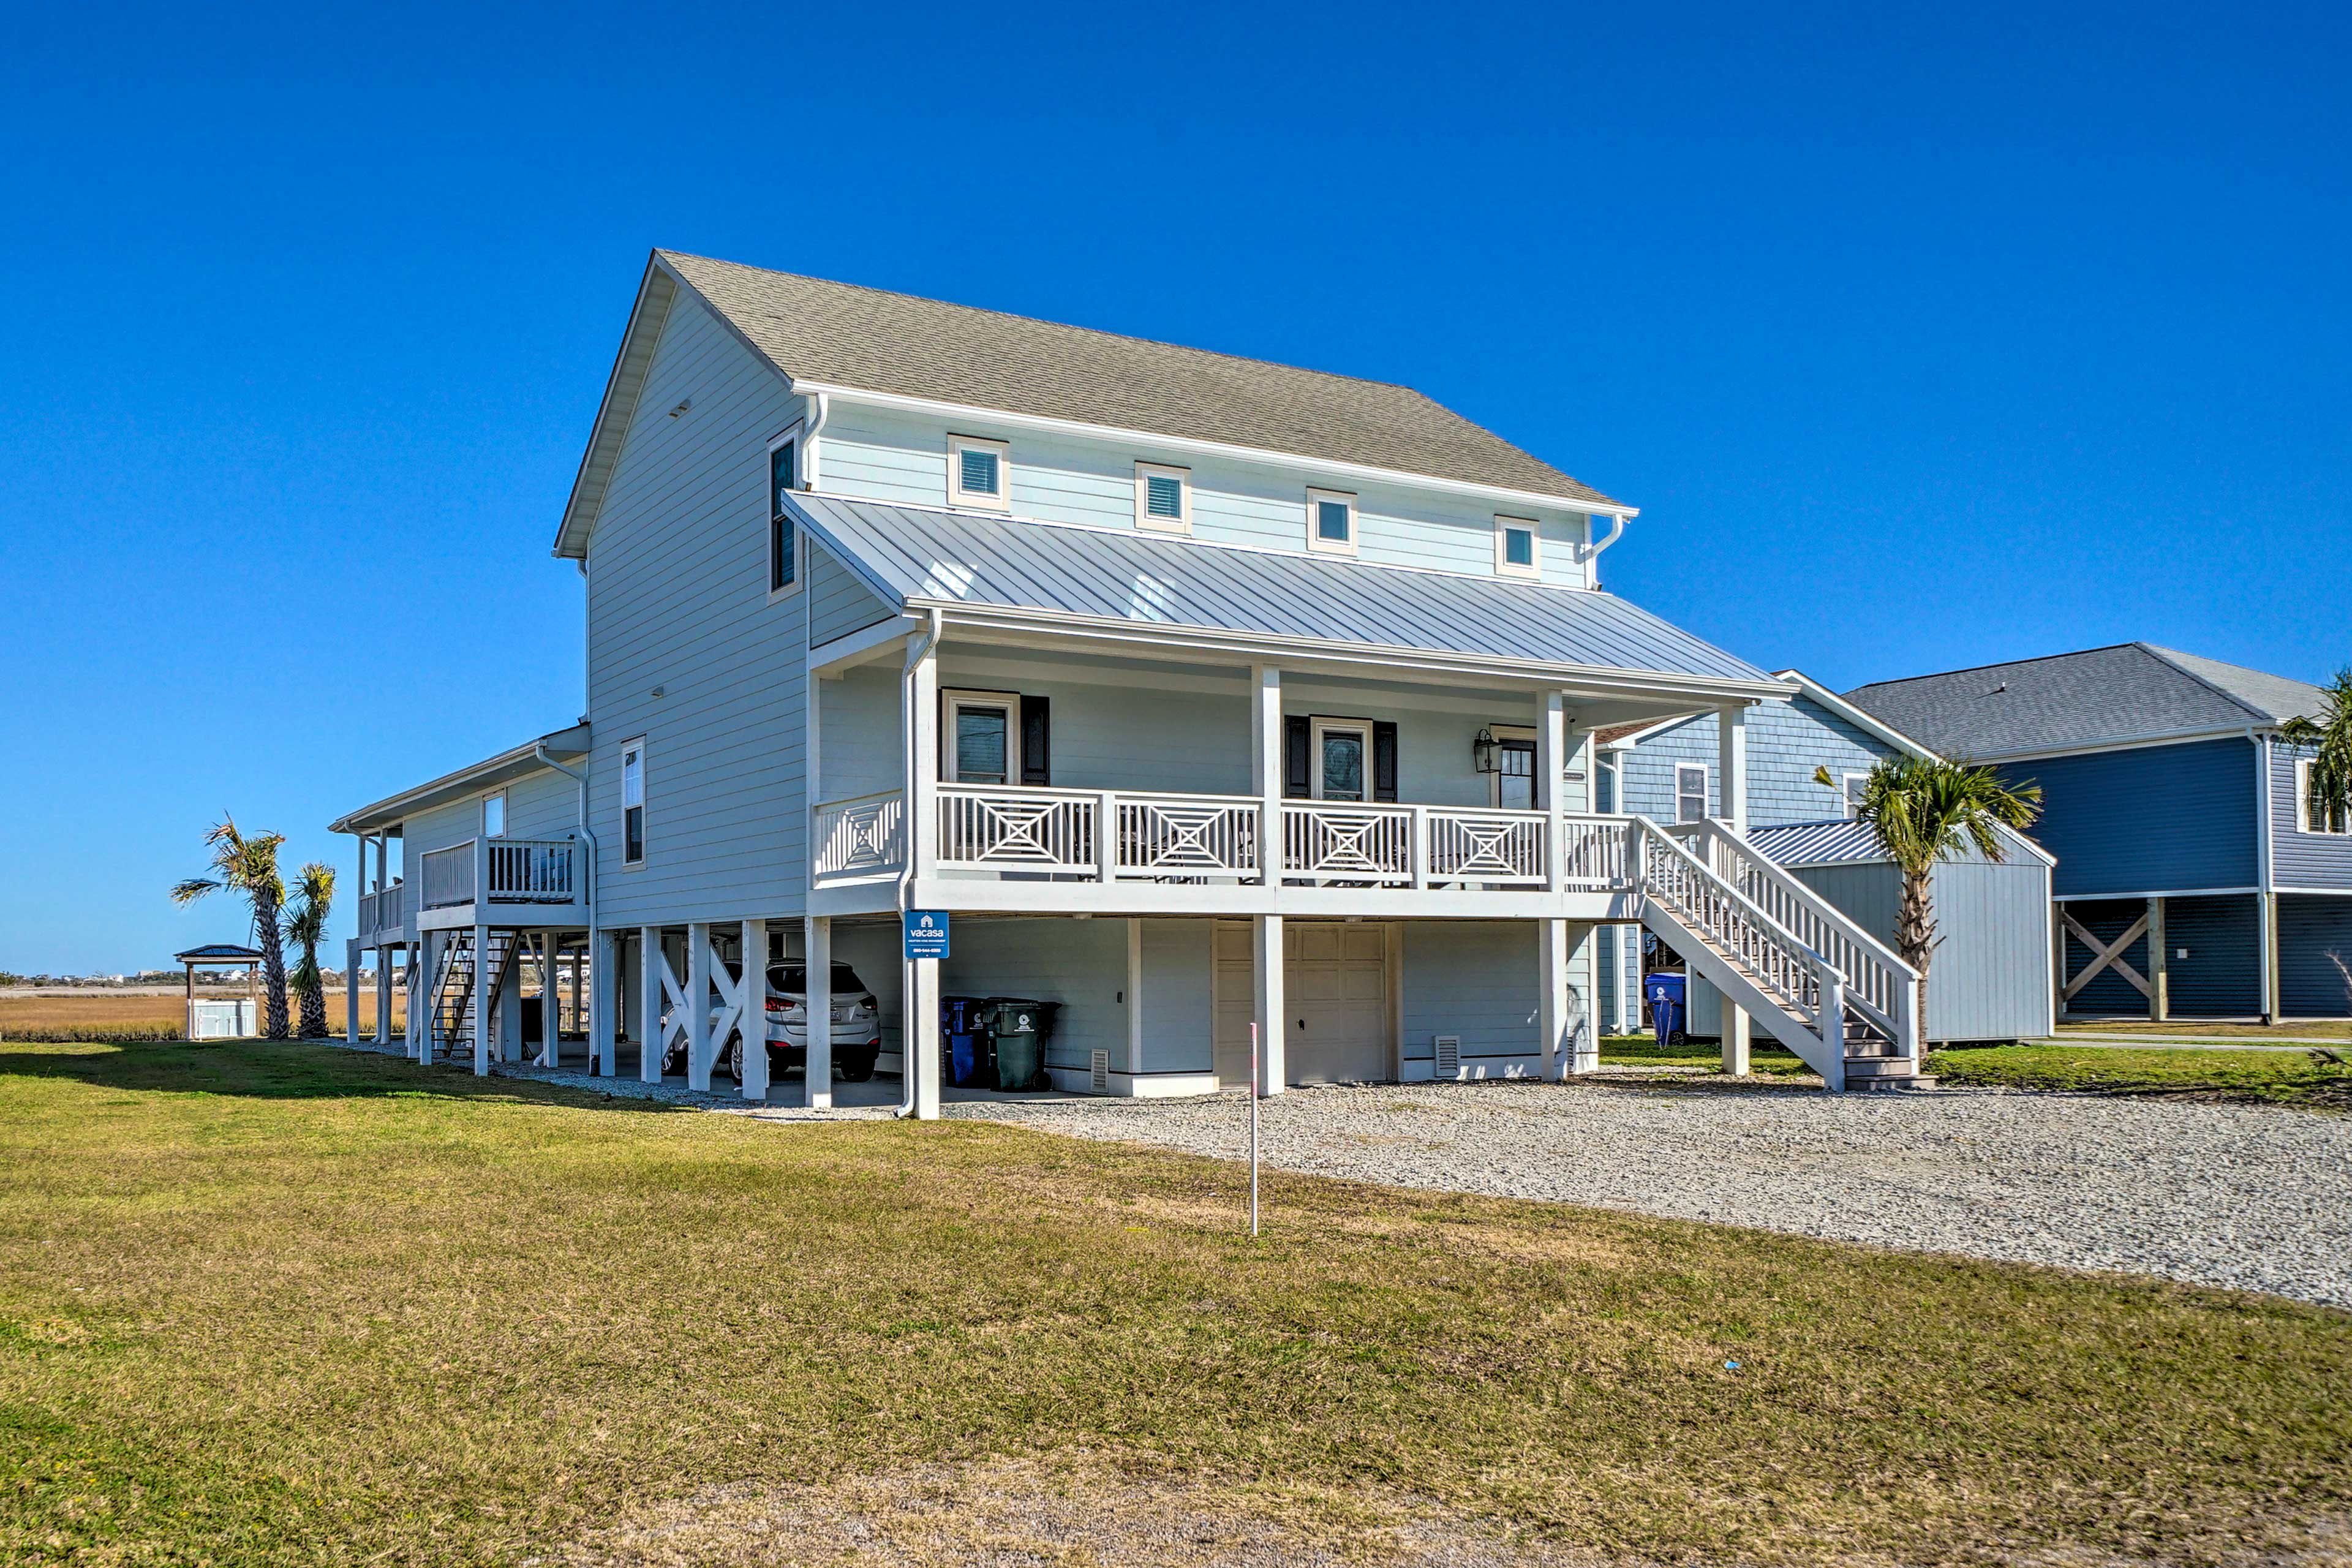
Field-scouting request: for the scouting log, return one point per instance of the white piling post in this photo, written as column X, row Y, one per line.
column 1252, row 1136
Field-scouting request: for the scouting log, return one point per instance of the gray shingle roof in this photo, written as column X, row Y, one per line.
column 2102, row 696
column 923, row 554
column 814, row 329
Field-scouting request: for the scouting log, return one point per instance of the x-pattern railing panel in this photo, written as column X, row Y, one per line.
column 1177, row 834
column 1033, row 830
column 863, row 837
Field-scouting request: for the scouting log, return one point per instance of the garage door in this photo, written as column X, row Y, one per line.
column 1336, row 985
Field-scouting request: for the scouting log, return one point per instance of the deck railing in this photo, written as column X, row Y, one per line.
column 511, row 872
column 448, row 876
column 381, row 910
column 861, row 837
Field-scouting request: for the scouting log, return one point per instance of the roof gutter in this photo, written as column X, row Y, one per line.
column 1047, row 423
column 588, row 882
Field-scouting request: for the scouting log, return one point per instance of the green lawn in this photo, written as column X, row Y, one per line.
column 271, row 1304
column 1765, row 1058
column 2307, row 1078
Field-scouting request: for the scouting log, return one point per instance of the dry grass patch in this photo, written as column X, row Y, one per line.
column 287, row 1304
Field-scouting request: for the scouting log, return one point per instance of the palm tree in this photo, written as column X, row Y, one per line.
column 1926, row 809
column 248, row 864
column 305, row 925
column 2328, row 738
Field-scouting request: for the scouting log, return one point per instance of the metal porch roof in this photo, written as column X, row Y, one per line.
column 932, row 556
column 1842, row 841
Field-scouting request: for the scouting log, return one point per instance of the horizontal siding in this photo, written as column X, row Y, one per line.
column 543, row 805
column 2300, row 859
column 677, row 600
column 1476, row 979
column 885, row 456
column 2222, row 975
column 1081, row 965
column 2312, row 934
column 839, row 601
column 857, row 733
column 2153, row 819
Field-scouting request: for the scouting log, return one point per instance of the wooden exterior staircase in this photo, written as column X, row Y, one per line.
column 1798, row 966
column 452, row 986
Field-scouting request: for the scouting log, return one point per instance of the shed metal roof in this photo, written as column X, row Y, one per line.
column 1842, row 841
column 2100, row 697
column 815, row 329
column 925, row 556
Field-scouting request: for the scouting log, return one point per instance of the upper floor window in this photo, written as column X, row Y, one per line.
column 981, row 737
column 633, row 802
column 1331, row 522
column 2311, row 814
column 1690, row 792
column 1515, row 547
column 783, row 477
column 494, row 815
column 1856, row 785
column 1163, row 498
column 979, row 473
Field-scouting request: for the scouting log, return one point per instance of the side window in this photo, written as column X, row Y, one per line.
column 1163, row 498
column 979, row 473
column 1855, row 784
column 1516, row 547
column 2312, row 813
column 783, row 477
column 1690, row 792
column 494, row 815
column 1331, row 522
column 980, row 738
column 633, row 802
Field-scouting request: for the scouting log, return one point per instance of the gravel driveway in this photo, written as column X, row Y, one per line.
column 2254, row 1196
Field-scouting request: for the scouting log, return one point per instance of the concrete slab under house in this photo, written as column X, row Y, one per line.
column 1200, row 695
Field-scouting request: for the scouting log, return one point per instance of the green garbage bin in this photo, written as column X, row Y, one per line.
column 1020, row 1042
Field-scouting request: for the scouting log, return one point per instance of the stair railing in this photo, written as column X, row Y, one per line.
column 1879, row 985
column 1775, row 959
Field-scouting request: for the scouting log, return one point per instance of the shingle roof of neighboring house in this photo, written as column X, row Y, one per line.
column 814, row 329
column 925, row 556
column 2102, row 696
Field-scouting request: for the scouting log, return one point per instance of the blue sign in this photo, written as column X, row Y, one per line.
column 927, row 933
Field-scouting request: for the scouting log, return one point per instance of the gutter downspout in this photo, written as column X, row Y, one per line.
column 2265, row 900
column 588, row 882
column 820, row 407
column 1592, row 552
column 916, row 653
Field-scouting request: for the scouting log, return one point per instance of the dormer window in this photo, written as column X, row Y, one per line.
column 1331, row 522
column 1516, row 547
column 1163, row 498
column 979, row 473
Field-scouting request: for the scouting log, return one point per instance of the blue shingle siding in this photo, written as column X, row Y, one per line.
column 2108, row 995
column 2150, row 820
column 2309, row 930
column 1785, row 742
column 2220, row 978
column 2300, row 859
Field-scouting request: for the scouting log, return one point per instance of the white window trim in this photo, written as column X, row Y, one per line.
column 645, row 794
column 1845, row 792
column 1503, row 565
column 1315, row 540
column 957, row 495
column 2303, row 802
column 1706, row 788
column 791, row 433
column 1495, row 780
column 1182, row 521
column 501, row 796
column 1320, row 727
column 950, row 702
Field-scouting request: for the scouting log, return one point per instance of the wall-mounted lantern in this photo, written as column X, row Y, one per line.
column 1487, row 752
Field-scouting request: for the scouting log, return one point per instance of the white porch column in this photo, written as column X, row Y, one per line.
column 604, row 959
column 1551, row 998
column 508, row 992
column 352, row 991
column 920, row 1037
column 1551, row 765
column 1135, row 994
column 383, row 996
column 817, row 949
column 420, row 998
column 699, row 1046
column 483, row 994
column 755, row 1009
column 1731, row 790
column 1273, row 1009
column 650, row 1004
column 1583, row 1003
column 1265, row 770
column 922, row 720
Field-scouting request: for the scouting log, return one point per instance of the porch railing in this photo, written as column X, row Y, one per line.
column 381, row 910
column 862, row 836
column 511, row 872
column 448, row 876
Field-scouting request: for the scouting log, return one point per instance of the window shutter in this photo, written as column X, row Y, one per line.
column 1384, row 760
column 1037, row 740
column 1297, row 778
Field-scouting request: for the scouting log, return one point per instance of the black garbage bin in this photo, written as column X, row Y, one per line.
column 1020, row 1026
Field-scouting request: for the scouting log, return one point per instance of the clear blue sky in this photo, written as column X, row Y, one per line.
column 1921, row 339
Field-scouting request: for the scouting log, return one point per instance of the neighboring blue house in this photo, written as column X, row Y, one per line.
column 2192, row 879
column 1669, row 770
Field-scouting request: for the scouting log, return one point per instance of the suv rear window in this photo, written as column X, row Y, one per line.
column 792, row 979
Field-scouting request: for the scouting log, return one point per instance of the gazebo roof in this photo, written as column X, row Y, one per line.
column 227, row 951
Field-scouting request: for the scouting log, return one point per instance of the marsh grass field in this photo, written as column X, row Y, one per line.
column 265, row 1304
column 140, row 1012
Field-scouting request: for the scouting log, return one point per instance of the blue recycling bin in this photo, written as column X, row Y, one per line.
column 1665, row 995
column 963, row 1021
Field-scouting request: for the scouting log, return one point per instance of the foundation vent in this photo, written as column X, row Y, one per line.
column 1449, row 1056
column 1099, row 1072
